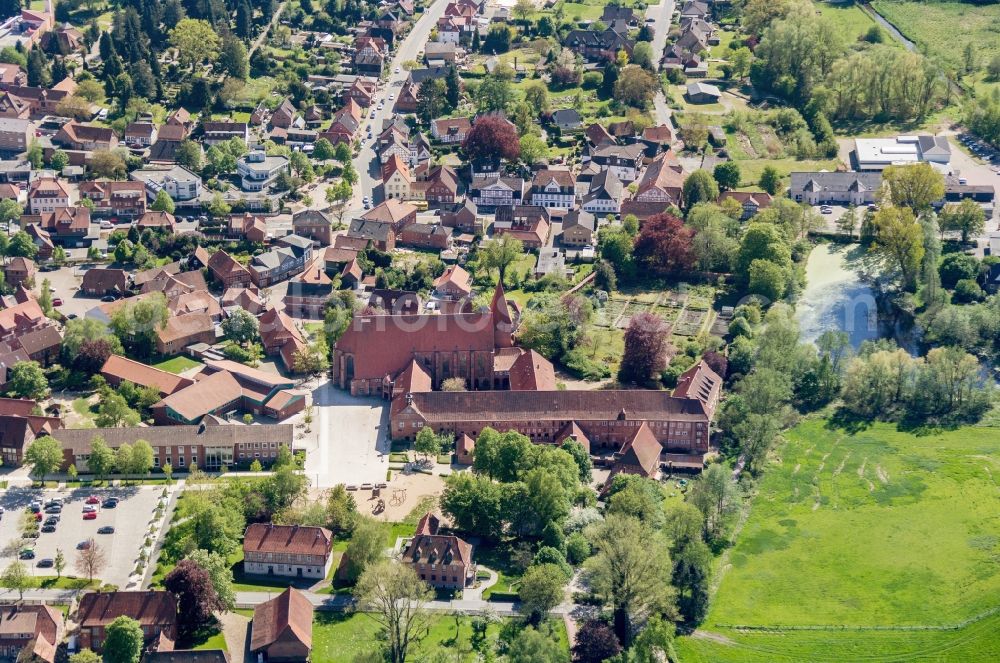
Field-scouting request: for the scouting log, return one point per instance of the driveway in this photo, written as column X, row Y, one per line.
column 352, row 446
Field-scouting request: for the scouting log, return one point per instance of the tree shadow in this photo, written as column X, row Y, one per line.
column 844, row 420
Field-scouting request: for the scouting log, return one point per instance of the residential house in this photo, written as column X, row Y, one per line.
column 443, row 561
column 220, row 131
column 157, row 221
column 279, row 264
column 659, row 187
column 289, row 551
column 47, row 194
column 12, row 74
column 598, row 46
column 394, row 212
column 622, row 130
column 116, row 199
column 579, row 228
column 426, row 236
column 363, row 91
column 247, row 227
column 395, row 301
column 621, row 18
column 228, row 271
column 553, row 189
column 281, row 631
column 624, row 160
column 309, row 292
column 490, row 192
column 567, row 119
column 848, row 188
column 140, row 133
column 345, row 123
column 67, row 226
column 15, row 136
column 640, row 455
column 184, row 330
column 101, row 281
column 598, row 135
column 396, row 179
column 451, row 130
column 258, row 171
column 315, row 224
column 284, row 115
column 245, row 298
column 528, row 223
column 369, row 55
column 41, row 100
column 30, row 632
column 19, row 271
column 463, row 217
column 14, row 108
column 381, row 234
column 85, row 137
column 180, row 183
column 19, row 426
column 604, row 195
column 454, row 283
column 694, row 9
column 437, row 53
column 751, row 201
column 156, row 612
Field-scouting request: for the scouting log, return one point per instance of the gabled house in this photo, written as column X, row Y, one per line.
column 396, row 179
column 67, row 226
column 156, row 612
column 598, row 46
column 488, row 193
column 437, row 184
column 624, row 160
column 85, row 137
column 30, row 632
column 115, row 198
column 751, row 201
column 363, row 91
column 463, row 217
column 247, row 227
column 290, row 551
column 228, row 271
column 47, row 194
column 604, row 195
column 284, row 115
column 451, row 130
column 281, row 631
column 579, row 228
column 554, row 189
column 567, row 119
column 141, row 134
column 393, row 212
column 315, row 224
column 222, row 130
column 441, row 560
column 101, row 281
column 659, row 187
column 309, row 292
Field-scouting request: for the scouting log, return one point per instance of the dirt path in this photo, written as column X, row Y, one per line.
column 235, row 629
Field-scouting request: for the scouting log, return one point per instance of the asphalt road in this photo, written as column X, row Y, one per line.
column 661, row 27
column 366, row 163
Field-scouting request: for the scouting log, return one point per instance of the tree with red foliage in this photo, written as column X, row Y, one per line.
column 92, row 355
column 717, row 362
column 595, row 642
column 490, row 137
column 664, row 245
column 196, row 595
column 646, row 348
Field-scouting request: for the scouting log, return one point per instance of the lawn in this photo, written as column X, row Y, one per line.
column 944, row 28
column 879, row 528
column 214, row 641
column 850, row 20
column 340, row 637
column 177, row 364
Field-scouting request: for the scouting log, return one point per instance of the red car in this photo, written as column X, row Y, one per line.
column 90, row 515
column 38, row 516
column 57, row 302
column 93, row 499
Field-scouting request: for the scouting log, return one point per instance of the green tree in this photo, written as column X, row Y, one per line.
column 915, row 186
column 427, row 443
column 59, row 563
column 628, row 571
column 221, row 573
column 966, row 217
column 59, row 160
column 17, row 578
column 494, row 94
column 727, row 174
column 233, row 58
column 762, row 241
column 113, row 412
column 195, row 41
column 899, row 242
column 767, row 279
column 45, row 456
column 770, row 180
column 700, row 187
column 532, row 646
column 499, row 253
column 22, row 245
column 163, row 202
column 189, row 155
column 396, row 599
column 85, row 656
column 27, row 380
column 123, row 640
column 366, row 547
column 542, row 588
column 102, row 458
column 241, row 326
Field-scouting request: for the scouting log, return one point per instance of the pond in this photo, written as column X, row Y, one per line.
column 836, row 296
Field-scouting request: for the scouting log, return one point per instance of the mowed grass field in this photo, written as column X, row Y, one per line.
column 880, row 528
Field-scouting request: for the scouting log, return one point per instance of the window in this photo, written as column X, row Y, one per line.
column 180, row 461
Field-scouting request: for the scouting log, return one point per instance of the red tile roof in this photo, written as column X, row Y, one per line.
column 287, row 616
column 532, row 372
column 290, row 539
column 143, row 375
column 149, row 608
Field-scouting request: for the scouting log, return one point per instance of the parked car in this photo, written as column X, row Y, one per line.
column 52, row 520
column 46, row 563
column 108, row 298
column 93, row 499
column 27, row 553
column 90, row 515
column 48, row 529
column 57, row 301
column 83, row 545
column 54, row 508
column 110, row 503
column 39, row 516
column 89, row 508
column 107, row 529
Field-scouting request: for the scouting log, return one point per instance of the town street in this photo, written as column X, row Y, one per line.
column 661, row 27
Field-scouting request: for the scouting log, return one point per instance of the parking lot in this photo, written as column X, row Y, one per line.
column 131, row 520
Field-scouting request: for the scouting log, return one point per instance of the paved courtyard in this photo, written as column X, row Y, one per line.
column 131, row 520
column 350, row 442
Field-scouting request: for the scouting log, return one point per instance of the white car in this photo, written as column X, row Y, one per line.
column 391, row 96
column 397, row 70
column 107, row 225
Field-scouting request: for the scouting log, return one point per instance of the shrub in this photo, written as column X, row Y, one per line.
column 967, row 290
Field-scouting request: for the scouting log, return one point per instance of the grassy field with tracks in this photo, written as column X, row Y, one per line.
column 876, row 528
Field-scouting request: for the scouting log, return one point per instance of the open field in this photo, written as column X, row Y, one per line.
column 945, row 27
column 177, row 364
column 879, row 528
column 851, row 21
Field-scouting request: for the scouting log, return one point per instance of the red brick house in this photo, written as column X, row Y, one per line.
column 30, row 632
column 123, row 199
column 118, row 369
column 281, row 631
column 19, row 270
column 441, row 560
column 155, row 611
column 228, row 271
column 426, row 236
column 183, row 330
column 455, row 283
column 101, row 281
column 290, row 551
column 247, row 226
